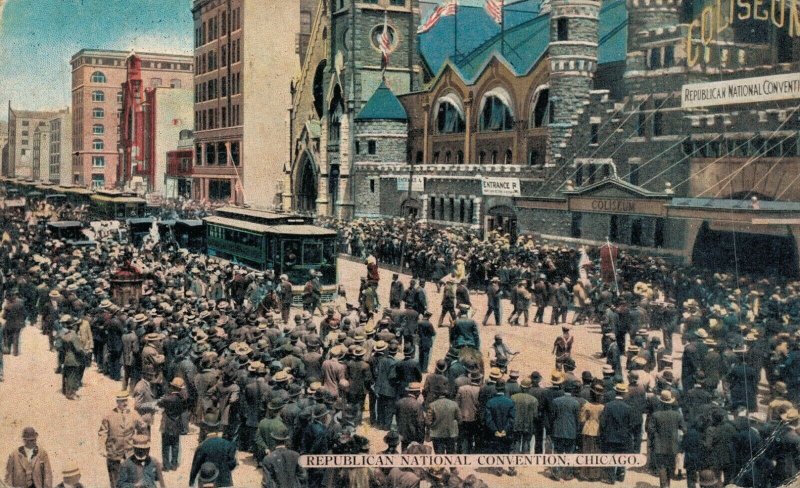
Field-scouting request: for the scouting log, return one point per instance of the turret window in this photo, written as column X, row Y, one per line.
column 372, row 147
column 562, row 28
column 540, row 113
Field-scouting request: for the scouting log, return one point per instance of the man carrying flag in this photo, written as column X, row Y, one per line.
column 448, row 8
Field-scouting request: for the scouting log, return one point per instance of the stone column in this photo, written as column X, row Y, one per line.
column 468, row 130
column 426, row 151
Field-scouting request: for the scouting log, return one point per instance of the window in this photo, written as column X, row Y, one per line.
column 482, row 157
column 25, row 133
column 398, row 3
column 562, row 27
column 613, row 228
column 640, row 121
column 494, row 157
column 579, row 174
column 155, row 82
column 98, row 96
column 98, row 113
column 658, row 123
column 372, row 186
column 198, row 155
column 98, row 161
column 541, row 107
column 636, row 232
column 575, row 228
column 496, row 112
column 419, row 157
column 98, row 181
column 23, row 152
column 432, row 209
column 654, row 60
column 595, row 135
column 633, row 178
column 25, row 142
column 450, row 116
column 447, row 156
column 98, row 145
column 98, row 129
column 377, row 32
column 119, row 97
column 224, row 23
column 175, row 83
column 669, row 56
column 358, row 147
column 509, row 157
column 658, row 235
column 460, row 157
column 534, row 158
column 25, row 123
column 462, row 210
column 98, row 77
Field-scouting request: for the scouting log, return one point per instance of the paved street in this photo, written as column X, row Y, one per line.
column 68, row 429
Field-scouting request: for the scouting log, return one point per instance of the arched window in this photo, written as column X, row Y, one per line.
column 449, row 115
column 540, row 108
column 98, row 145
column 447, row 157
column 496, row 114
column 335, row 115
column 98, row 129
column 98, row 96
column 494, row 157
column 98, row 113
column 98, row 77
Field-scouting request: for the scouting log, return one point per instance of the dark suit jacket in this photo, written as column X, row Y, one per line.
column 500, row 414
column 663, row 429
column 410, row 419
column 566, row 409
column 220, row 452
column 281, row 469
column 616, row 424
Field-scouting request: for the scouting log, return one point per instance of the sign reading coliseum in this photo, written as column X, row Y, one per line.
column 500, row 187
column 743, row 90
column 718, row 16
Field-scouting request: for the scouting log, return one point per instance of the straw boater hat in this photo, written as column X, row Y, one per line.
column 666, row 397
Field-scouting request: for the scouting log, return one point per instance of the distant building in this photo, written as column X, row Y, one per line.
column 97, row 78
column 151, row 122
column 22, row 125
column 245, row 63
column 52, row 150
column 178, row 181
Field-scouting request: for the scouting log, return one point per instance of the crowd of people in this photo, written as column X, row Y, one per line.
column 207, row 345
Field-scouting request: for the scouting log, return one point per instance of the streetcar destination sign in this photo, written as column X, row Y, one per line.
column 743, row 90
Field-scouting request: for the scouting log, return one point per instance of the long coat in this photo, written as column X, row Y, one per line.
column 19, row 471
column 410, row 419
column 566, row 409
column 443, row 417
column 616, row 424
column 663, row 429
column 222, row 453
column 282, row 470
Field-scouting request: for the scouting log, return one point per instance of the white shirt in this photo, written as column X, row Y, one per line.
column 29, row 454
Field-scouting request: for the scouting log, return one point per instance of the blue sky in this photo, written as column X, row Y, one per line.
column 38, row 38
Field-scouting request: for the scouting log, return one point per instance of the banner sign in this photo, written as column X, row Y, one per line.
column 743, row 90
column 501, row 187
column 470, row 460
column 418, row 184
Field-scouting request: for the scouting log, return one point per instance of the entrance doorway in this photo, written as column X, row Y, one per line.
column 307, row 186
column 503, row 220
column 410, row 209
column 753, row 253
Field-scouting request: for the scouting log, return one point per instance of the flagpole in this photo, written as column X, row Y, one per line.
column 455, row 35
column 502, row 28
column 613, row 266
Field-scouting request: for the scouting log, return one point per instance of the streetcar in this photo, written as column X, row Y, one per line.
column 112, row 205
column 289, row 244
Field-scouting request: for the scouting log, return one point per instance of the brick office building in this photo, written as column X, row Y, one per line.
column 246, row 54
column 22, row 127
column 97, row 78
column 178, row 181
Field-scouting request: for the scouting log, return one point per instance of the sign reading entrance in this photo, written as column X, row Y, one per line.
column 418, row 183
column 743, row 90
column 501, row 187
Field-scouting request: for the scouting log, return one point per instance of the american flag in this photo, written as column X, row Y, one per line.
column 495, row 10
column 386, row 41
column 449, row 8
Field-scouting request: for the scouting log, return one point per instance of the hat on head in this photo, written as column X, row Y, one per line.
column 621, row 388
column 598, row 388
column 790, row 415
column 526, row 383
column 141, row 442
column 54, row 294
column 707, row 478
column 123, row 395
column 276, row 403
column 556, row 377
column 701, row 333
column 29, row 433
column 152, row 336
column 208, row 473
column 380, row 346
column 495, row 373
column 139, row 318
column 177, row 383
column 608, row 369
column 71, row 471
column 414, row 386
column 319, row 411
column 280, row 433
column 666, row 397
column 313, row 387
column 281, row 377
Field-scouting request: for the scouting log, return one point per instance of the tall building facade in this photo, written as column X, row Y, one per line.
column 150, row 125
column 60, row 154
column 246, row 55
column 97, row 78
column 22, row 126
column 342, row 69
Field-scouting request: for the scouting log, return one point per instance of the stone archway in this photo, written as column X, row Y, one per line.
column 307, row 185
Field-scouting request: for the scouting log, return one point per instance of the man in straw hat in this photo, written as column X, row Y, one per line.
column 664, row 428
column 29, row 465
column 173, row 405
column 617, row 429
column 116, row 435
column 71, row 477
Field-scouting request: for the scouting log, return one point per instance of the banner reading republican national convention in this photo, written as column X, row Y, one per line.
column 743, row 90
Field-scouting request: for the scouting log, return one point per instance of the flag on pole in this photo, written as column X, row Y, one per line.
column 495, row 10
column 385, row 41
column 449, row 8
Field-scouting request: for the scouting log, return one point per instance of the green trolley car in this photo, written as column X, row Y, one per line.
column 287, row 243
column 117, row 206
